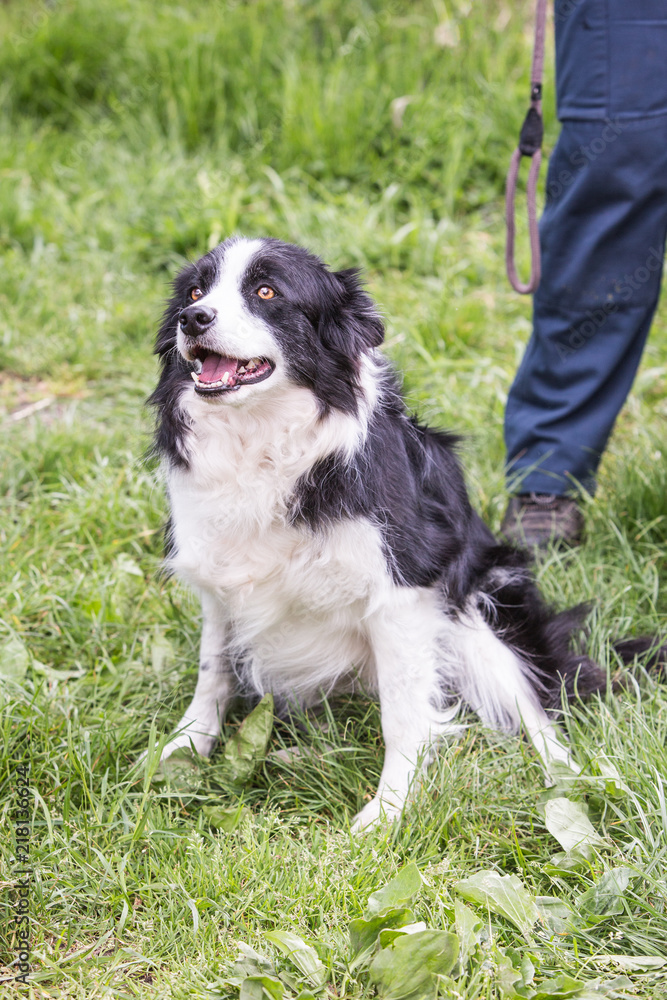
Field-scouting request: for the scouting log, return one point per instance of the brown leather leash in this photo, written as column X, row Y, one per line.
column 530, row 144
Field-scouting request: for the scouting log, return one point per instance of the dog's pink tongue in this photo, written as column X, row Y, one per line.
column 214, row 367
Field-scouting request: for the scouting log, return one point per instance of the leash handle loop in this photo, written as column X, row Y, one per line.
column 524, row 288
column 530, row 144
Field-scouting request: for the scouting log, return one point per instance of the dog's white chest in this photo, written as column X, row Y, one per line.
column 295, row 599
column 221, row 544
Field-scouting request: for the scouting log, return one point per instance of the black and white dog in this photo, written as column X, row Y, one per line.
column 329, row 534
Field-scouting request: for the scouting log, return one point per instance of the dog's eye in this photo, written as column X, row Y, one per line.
column 195, row 293
column 265, row 292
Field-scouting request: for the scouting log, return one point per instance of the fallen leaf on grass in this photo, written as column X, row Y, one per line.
column 513, row 973
column 613, row 987
column 614, row 784
column 256, row 976
column 387, row 909
column 261, row 988
column 364, row 933
column 503, row 894
column 558, row 988
column 468, row 929
column 162, row 653
column 633, row 963
column 14, row 659
column 301, row 954
column 564, row 862
column 407, row 969
column 606, row 896
column 389, row 934
column 590, row 993
column 180, row 773
column 568, row 823
column 399, row 892
column 246, row 749
column 54, row 676
column 250, row 963
column 556, row 914
column 226, row 819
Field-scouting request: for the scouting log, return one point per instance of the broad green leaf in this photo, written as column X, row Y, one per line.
column 605, row 897
column 251, row 964
column 614, row 784
column 564, row 862
column 14, row 659
column 618, row 988
column 558, row 915
column 523, row 964
column 246, row 750
column 126, row 564
column 638, row 963
column 468, row 929
column 562, row 775
column 54, row 676
column 407, row 969
column 364, row 933
column 448, row 987
column 398, row 893
column 226, row 819
column 514, row 973
column 261, row 988
column 507, row 978
column 301, row 954
column 386, row 909
column 180, row 773
column 604, row 987
column 568, row 823
column 390, row 934
column 558, row 988
column 503, row 894
column 162, row 653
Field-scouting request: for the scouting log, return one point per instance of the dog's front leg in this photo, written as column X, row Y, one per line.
column 200, row 726
column 406, row 649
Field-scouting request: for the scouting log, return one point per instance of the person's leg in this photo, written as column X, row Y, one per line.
column 602, row 236
column 603, row 243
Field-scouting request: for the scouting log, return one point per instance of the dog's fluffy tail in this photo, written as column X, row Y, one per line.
column 650, row 650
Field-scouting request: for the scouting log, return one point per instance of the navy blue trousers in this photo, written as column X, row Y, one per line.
column 602, row 238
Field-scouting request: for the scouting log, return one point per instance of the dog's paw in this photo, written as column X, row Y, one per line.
column 378, row 812
column 200, row 743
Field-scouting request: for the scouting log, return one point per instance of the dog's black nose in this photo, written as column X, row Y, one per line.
column 195, row 320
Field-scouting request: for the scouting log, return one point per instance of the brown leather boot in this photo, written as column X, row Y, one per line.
column 537, row 519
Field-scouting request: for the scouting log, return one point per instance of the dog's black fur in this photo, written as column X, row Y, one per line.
column 405, row 478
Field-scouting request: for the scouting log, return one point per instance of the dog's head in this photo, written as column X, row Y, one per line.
column 253, row 314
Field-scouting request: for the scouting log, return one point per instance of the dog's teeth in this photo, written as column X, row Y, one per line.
column 195, row 377
column 225, row 378
column 254, row 362
column 241, row 370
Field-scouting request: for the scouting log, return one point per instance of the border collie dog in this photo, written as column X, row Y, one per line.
column 328, row 534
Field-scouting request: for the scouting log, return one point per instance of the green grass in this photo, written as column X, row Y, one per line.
column 136, row 136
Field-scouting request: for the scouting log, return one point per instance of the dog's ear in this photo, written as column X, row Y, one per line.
column 166, row 335
column 351, row 324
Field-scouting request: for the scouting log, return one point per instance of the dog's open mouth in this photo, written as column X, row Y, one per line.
column 221, row 374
